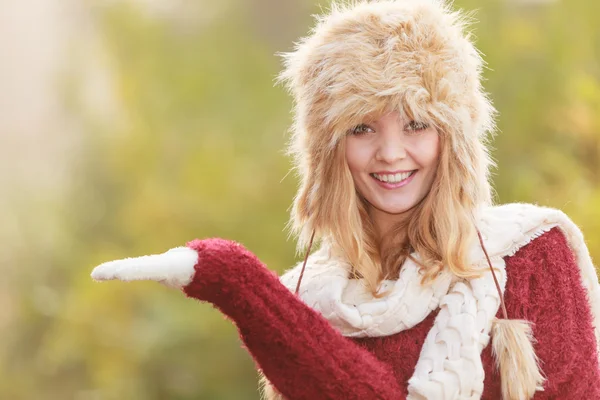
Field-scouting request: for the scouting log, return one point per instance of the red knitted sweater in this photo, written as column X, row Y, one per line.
column 305, row 358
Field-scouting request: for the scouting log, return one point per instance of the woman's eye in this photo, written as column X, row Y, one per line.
column 415, row 126
column 360, row 129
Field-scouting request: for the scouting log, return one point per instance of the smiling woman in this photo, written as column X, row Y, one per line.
column 417, row 268
column 393, row 163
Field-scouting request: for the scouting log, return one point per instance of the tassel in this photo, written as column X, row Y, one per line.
column 512, row 346
column 268, row 390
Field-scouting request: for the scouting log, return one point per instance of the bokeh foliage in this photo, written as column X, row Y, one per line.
column 196, row 150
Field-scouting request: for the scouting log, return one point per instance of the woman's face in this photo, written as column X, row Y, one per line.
column 393, row 162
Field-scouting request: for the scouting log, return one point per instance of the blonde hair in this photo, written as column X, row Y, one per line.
column 366, row 59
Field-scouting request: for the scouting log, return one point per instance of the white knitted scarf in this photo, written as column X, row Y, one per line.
column 449, row 366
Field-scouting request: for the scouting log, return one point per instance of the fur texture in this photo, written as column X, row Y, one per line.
column 367, row 58
column 267, row 390
column 519, row 366
column 370, row 57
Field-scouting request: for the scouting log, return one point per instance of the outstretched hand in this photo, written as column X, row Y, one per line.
column 174, row 268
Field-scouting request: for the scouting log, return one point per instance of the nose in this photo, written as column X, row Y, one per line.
column 391, row 147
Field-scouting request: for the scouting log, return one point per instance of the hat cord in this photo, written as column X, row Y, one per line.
column 305, row 259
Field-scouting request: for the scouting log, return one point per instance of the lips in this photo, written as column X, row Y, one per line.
column 389, row 181
column 392, row 177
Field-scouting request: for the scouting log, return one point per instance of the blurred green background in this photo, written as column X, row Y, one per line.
column 130, row 127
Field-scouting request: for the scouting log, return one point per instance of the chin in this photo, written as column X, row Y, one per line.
column 395, row 210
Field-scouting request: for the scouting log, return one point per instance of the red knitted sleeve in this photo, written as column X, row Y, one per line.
column 544, row 286
column 295, row 347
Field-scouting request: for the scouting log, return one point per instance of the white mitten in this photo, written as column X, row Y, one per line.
column 174, row 268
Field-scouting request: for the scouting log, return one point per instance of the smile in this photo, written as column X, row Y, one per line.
column 394, row 181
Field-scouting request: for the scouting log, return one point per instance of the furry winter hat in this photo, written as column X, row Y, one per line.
column 366, row 58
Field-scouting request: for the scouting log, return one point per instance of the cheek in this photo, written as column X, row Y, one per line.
column 356, row 156
column 429, row 151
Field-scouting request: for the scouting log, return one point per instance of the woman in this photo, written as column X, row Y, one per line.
column 415, row 263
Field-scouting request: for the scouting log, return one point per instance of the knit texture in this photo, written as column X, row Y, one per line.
column 294, row 346
column 544, row 287
column 305, row 358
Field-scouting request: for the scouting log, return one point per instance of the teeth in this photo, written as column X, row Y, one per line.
column 392, row 178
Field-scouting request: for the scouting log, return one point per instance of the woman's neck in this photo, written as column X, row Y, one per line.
column 385, row 222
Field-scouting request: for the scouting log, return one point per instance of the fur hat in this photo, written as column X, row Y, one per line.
column 365, row 58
